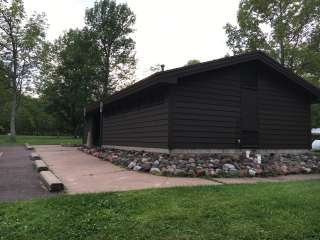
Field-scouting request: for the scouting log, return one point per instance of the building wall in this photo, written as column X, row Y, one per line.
column 284, row 113
column 139, row 121
column 203, row 111
column 206, row 111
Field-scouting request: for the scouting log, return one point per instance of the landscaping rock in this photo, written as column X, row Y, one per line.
column 167, row 171
column 132, row 165
column 284, row 169
column 200, row 172
column 146, row 166
column 179, row 173
column 252, row 172
column 137, row 168
column 156, row 163
column 213, row 165
column 306, row 170
column 155, row 171
column 243, row 172
column 229, row 167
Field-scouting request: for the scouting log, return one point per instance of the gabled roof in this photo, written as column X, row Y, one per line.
column 171, row 76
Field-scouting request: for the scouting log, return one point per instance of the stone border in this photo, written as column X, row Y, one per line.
column 49, row 180
column 28, row 147
column 241, row 164
column 40, row 165
column 34, row 156
column 52, row 183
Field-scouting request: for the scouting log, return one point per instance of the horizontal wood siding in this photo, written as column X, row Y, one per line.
column 206, row 111
column 144, row 127
column 284, row 113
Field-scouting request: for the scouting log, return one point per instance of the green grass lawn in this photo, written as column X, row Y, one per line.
column 261, row 211
column 40, row 140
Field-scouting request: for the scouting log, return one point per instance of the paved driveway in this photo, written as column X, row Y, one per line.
column 82, row 173
column 18, row 179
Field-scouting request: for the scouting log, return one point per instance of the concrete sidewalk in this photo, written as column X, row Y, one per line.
column 81, row 173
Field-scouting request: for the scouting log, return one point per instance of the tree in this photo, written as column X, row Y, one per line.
column 4, row 97
column 192, row 61
column 311, row 68
column 20, row 45
column 311, row 59
column 289, row 30
column 110, row 24
column 70, row 86
column 280, row 27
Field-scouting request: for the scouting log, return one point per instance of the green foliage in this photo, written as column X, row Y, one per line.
column 21, row 41
column 192, row 61
column 254, row 211
column 288, row 30
column 32, row 118
column 282, row 28
column 4, row 98
column 86, row 65
column 70, row 85
column 110, row 25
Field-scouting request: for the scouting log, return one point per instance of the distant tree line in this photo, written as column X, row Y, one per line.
column 80, row 67
column 44, row 86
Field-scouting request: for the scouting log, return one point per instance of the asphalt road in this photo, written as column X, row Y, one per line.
column 18, row 179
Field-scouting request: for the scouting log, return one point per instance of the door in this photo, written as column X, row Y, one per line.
column 249, row 109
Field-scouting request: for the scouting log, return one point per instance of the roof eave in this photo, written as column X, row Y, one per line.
column 128, row 91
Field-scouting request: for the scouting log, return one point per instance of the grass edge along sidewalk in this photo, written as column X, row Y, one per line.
column 258, row 211
column 40, row 140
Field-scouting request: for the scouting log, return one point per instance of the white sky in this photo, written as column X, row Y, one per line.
column 169, row 32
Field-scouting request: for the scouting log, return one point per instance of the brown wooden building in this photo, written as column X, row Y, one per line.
column 247, row 101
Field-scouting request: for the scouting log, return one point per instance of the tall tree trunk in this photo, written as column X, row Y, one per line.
column 14, row 89
column 281, row 52
column 107, row 75
column 75, row 131
column 281, row 35
column 13, row 116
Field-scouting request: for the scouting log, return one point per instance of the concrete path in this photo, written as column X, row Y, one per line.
column 81, row 173
column 18, row 179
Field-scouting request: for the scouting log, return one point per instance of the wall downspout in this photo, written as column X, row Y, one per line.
column 84, row 126
column 170, row 118
column 101, row 124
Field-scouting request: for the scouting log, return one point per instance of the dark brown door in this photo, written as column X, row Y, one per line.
column 249, row 109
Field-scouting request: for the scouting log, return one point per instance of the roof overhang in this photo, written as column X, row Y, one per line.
column 171, row 76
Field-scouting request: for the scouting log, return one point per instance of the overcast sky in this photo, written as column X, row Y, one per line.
column 169, row 32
